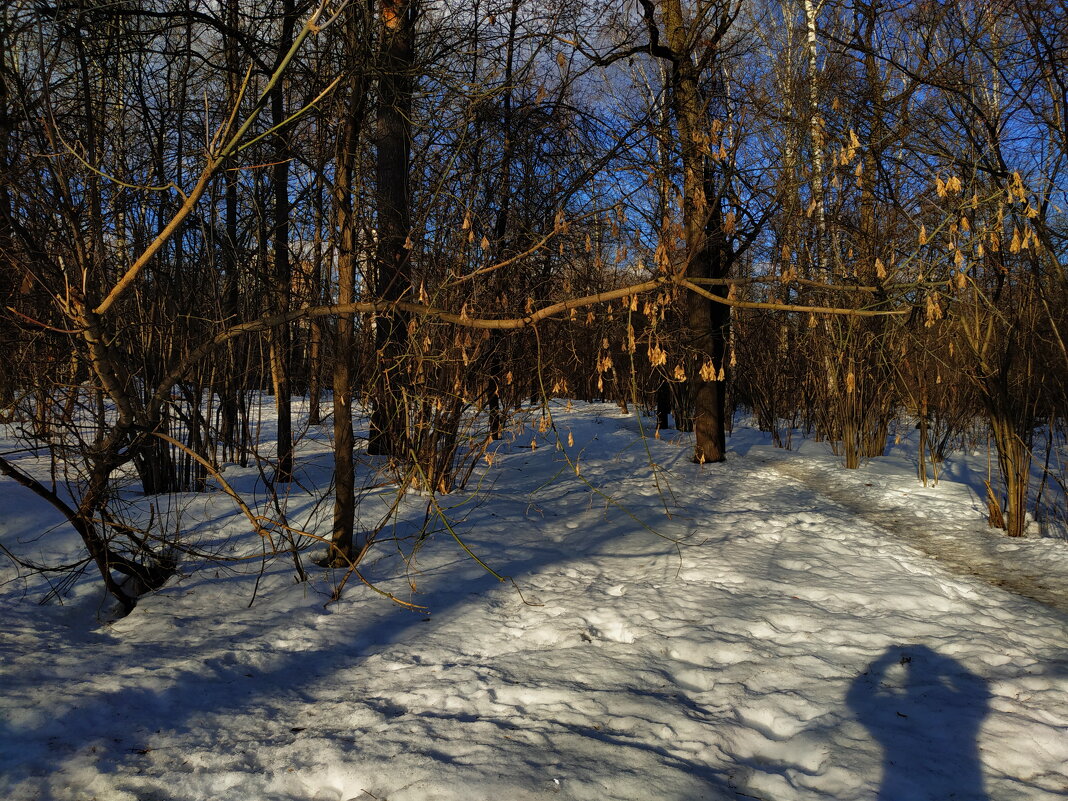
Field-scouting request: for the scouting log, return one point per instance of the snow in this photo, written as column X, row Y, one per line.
column 773, row 627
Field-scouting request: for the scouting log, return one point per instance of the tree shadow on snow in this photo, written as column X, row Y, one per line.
column 925, row 710
column 111, row 731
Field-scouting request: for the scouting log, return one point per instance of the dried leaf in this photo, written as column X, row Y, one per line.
column 660, row 258
column 657, row 355
column 1016, row 187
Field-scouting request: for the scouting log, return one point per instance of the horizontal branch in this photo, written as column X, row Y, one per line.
column 788, row 307
column 382, row 306
column 484, row 323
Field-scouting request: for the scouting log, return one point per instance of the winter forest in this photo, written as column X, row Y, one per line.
column 425, row 399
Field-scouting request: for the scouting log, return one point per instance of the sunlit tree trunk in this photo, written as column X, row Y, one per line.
column 815, row 132
column 707, row 322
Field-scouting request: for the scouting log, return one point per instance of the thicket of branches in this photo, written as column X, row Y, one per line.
column 833, row 214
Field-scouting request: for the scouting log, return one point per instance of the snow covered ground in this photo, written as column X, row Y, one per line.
column 772, row 627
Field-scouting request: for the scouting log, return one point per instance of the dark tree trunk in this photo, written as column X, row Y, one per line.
column 392, row 268
column 315, row 333
column 494, row 360
column 342, row 537
column 282, row 275
column 663, row 405
column 229, row 404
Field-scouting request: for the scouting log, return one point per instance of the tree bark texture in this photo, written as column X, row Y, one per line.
column 707, row 322
column 392, row 279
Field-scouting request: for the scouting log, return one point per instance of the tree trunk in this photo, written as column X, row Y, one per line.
column 282, row 275
column 342, row 536
column 229, row 404
column 706, row 257
column 1014, row 457
column 315, row 333
column 392, row 268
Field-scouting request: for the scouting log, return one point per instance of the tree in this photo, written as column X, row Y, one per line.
column 392, row 279
column 346, row 170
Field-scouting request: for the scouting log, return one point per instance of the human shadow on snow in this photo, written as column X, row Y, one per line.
column 925, row 709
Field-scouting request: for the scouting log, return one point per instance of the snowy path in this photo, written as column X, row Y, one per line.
column 763, row 643
column 969, row 549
